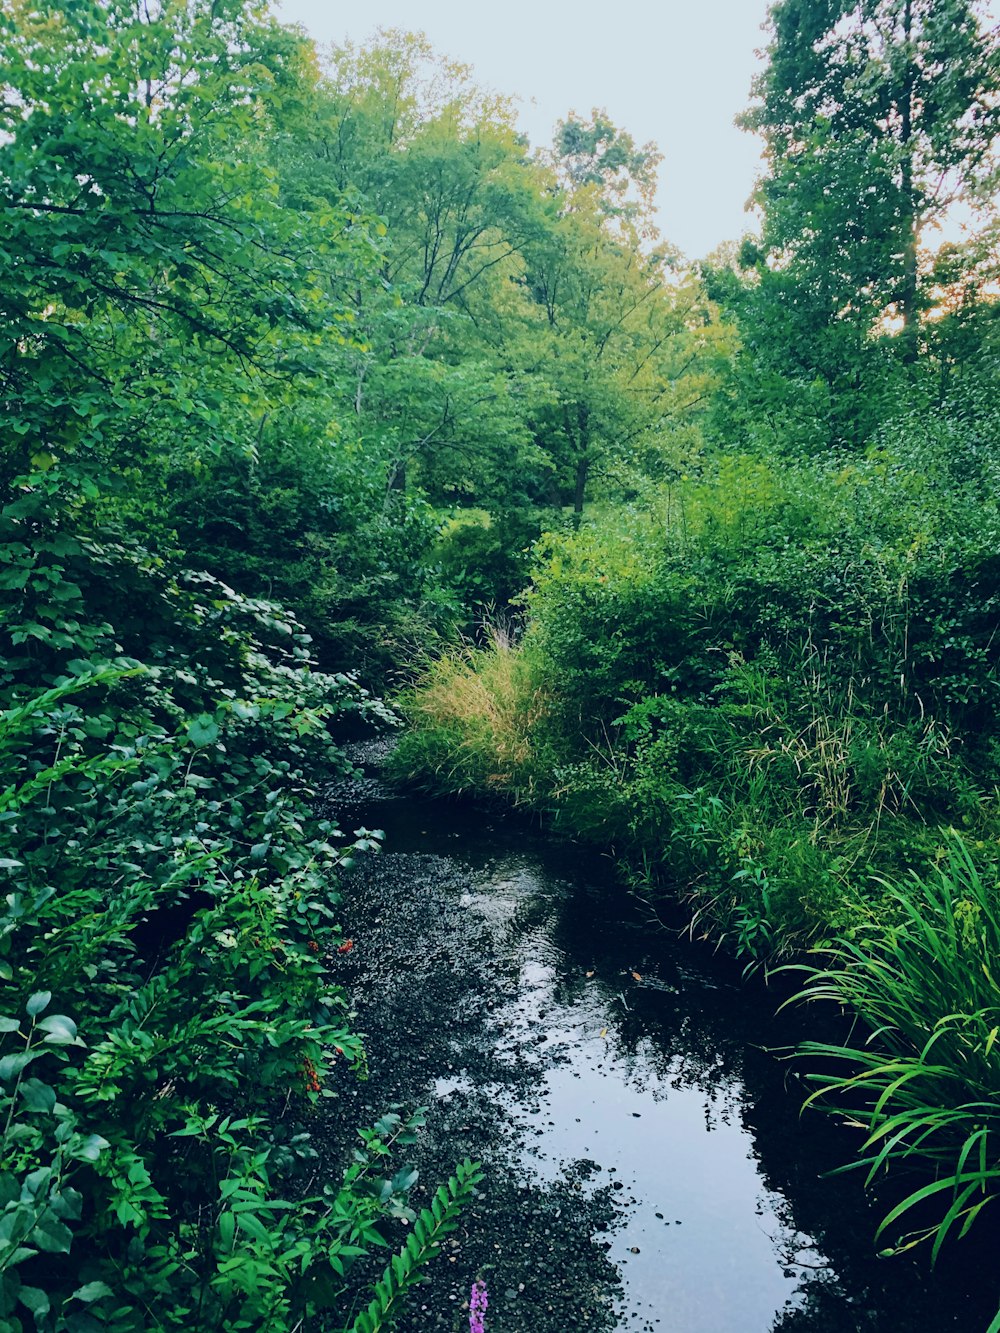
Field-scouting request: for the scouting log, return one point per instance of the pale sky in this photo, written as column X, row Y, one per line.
column 675, row 71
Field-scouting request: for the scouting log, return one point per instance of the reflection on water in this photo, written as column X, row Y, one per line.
column 626, row 1083
column 626, row 1064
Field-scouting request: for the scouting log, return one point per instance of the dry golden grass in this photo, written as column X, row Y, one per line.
column 489, row 705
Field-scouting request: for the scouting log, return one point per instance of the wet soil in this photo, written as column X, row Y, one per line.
column 646, row 1165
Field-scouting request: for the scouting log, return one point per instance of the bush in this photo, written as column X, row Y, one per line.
column 479, row 719
column 168, row 1028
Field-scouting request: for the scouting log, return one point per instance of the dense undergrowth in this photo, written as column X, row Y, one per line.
column 775, row 694
column 168, row 1029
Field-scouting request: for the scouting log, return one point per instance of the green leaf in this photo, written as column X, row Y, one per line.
column 91, row 1148
column 92, row 1291
column 60, row 1030
column 68, row 1205
column 38, row 1003
column 51, row 1236
column 203, row 730
column 12, row 1065
column 252, row 1225
column 38, row 1096
column 79, row 1321
column 404, row 1180
column 36, row 1301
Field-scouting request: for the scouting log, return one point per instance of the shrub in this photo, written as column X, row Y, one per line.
column 168, row 1027
column 478, row 722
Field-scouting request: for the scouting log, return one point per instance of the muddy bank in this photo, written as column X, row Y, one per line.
column 646, row 1164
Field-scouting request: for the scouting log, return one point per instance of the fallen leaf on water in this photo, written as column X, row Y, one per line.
column 604, row 1032
column 636, row 976
column 346, row 947
column 590, row 974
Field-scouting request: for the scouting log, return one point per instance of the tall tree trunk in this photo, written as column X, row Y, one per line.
column 580, row 489
column 908, row 288
column 582, row 458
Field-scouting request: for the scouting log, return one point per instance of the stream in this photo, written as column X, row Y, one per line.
column 647, row 1168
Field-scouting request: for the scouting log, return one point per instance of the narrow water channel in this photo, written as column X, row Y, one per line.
column 647, row 1168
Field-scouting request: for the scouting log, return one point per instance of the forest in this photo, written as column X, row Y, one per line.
column 330, row 404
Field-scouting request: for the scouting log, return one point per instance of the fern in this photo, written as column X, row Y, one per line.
column 423, row 1242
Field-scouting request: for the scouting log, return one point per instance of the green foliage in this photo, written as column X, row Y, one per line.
column 485, row 561
column 429, row 1228
column 877, row 119
column 166, row 322
column 924, row 1085
column 296, row 361
column 169, row 886
column 528, row 338
column 772, row 680
column 773, row 691
column 153, row 287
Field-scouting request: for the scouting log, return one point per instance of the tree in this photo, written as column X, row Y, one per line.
column 621, row 342
column 878, row 116
column 401, row 134
column 598, row 153
column 154, row 294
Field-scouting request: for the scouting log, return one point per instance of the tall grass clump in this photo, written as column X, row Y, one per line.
column 924, row 1083
column 476, row 721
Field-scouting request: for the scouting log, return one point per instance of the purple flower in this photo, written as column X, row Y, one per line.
column 478, row 1302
